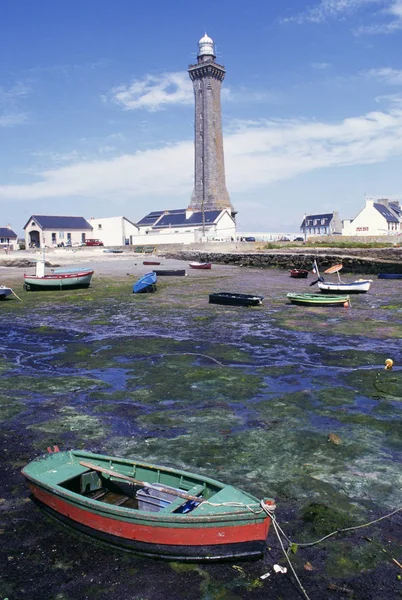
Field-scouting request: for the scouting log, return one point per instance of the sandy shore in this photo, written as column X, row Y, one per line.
column 103, row 263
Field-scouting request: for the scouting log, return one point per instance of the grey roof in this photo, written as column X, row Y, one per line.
column 153, row 216
column 177, row 218
column 60, row 223
column 388, row 215
column 326, row 216
column 5, row 232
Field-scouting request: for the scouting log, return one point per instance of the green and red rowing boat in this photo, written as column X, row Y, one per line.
column 153, row 510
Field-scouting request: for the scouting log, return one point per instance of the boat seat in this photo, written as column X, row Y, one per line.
column 121, row 501
column 194, row 491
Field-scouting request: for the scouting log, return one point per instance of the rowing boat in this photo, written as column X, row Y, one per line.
column 318, row 300
column 145, row 284
column 235, row 299
column 153, row 510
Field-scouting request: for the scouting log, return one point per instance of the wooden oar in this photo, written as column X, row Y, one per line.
column 138, row 482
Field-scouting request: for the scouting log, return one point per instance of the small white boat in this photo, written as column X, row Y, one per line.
column 359, row 286
column 5, row 291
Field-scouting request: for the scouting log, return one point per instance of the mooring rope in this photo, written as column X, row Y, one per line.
column 16, row 295
column 277, row 528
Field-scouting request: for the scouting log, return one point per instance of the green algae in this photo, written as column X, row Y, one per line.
column 53, row 384
column 177, row 379
column 199, row 423
column 5, row 365
column 323, row 519
column 9, row 408
column 68, row 420
column 209, row 589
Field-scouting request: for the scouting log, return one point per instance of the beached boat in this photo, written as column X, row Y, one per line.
column 5, row 291
column 235, row 299
column 153, row 510
column 298, row 273
column 359, row 286
column 318, row 300
column 170, row 272
column 112, row 251
column 151, row 262
column 200, row 265
column 389, row 275
column 58, row 279
column 145, row 284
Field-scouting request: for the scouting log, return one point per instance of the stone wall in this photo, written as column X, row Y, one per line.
column 367, row 261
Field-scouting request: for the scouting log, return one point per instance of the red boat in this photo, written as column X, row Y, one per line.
column 298, row 273
column 151, row 262
column 200, row 265
column 153, row 510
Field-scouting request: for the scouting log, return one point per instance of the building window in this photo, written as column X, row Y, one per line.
column 69, row 237
column 61, row 235
column 322, row 221
column 83, row 238
column 99, row 226
column 53, row 238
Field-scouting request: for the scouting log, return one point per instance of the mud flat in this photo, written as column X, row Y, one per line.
column 280, row 400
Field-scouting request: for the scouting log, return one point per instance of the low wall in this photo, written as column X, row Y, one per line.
column 364, row 262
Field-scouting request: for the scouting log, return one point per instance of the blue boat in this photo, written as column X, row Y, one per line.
column 146, row 284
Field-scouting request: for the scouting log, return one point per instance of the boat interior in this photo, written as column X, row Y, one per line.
column 150, row 497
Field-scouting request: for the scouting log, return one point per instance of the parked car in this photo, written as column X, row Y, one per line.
column 284, row 239
column 93, row 243
column 298, row 239
column 249, row 239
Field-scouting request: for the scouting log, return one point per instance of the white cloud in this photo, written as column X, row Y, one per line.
column 12, row 119
column 329, row 9
column 393, row 13
column 326, row 10
column 154, row 92
column 386, row 75
column 320, row 66
column 257, row 154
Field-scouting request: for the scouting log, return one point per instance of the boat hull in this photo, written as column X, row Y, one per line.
column 298, row 273
column 389, row 275
column 195, row 265
column 162, row 542
column 146, row 284
column 58, row 281
column 170, row 272
column 4, row 292
column 355, row 287
column 60, row 485
column 318, row 300
column 234, row 299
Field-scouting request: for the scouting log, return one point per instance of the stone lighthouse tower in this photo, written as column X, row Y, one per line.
column 210, row 191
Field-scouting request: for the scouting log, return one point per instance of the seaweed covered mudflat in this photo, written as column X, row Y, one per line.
column 280, row 400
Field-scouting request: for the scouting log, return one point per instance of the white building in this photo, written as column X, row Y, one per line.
column 114, row 231
column 378, row 217
column 50, row 231
column 184, row 226
column 8, row 238
column 321, row 224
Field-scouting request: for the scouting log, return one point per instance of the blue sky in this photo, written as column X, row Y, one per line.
column 96, row 106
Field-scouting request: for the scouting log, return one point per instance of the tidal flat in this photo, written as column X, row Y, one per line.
column 283, row 401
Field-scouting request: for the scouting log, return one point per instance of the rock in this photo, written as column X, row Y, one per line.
column 334, row 439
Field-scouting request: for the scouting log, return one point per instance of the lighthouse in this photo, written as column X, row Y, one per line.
column 209, row 193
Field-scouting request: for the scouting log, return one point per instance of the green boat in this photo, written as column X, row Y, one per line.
column 153, row 510
column 319, row 300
